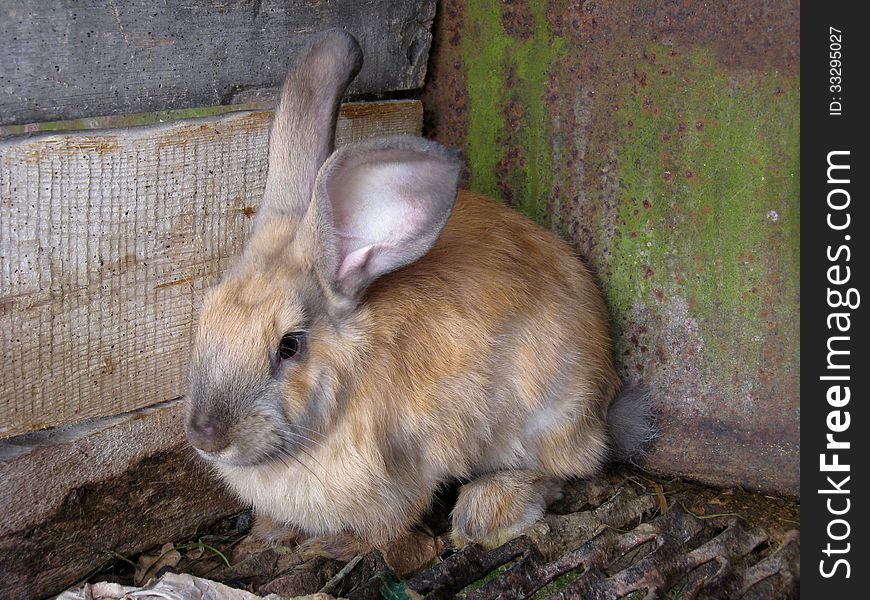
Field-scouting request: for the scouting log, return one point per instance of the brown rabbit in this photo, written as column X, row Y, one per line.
column 374, row 341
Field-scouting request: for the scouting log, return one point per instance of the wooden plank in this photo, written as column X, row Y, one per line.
column 107, row 243
column 71, row 497
column 77, row 58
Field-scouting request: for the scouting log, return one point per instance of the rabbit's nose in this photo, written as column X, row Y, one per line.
column 207, row 433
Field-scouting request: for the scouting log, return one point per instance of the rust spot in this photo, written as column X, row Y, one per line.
column 660, row 354
column 445, row 97
column 517, row 19
column 659, row 294
column 249, row 211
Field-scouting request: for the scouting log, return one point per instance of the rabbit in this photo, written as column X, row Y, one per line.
column 383, row 333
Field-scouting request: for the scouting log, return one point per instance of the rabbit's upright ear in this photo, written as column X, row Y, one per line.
column 380, row 205
column 302, row 132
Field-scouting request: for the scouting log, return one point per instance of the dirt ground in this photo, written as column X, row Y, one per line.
column 227, row 552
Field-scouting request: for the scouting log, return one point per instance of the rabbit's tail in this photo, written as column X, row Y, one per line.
column 631, row 421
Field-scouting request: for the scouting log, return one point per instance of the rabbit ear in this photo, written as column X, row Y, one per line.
column 380, row 205
column 304, row 127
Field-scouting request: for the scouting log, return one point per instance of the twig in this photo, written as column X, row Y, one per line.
column 713, row 516
column 330, row 585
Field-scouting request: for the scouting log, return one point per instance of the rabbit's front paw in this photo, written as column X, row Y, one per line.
column 274, row 533
column 497, row 507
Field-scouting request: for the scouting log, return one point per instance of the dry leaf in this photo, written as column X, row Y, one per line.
column 194, row 554
column 660, row 493
column 150, row 564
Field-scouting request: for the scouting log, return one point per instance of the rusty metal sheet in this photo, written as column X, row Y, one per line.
column 663, row 142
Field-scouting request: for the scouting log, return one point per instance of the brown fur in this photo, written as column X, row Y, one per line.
column 488, row 359
column 439, row 372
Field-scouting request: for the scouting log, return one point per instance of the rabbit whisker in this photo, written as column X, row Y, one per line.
column 307, row 439
column 283, row 454
column 307, row 452
column 310, row 430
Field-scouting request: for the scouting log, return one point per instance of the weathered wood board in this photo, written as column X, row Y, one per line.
column 74, row 58
column 71, row 497
column 107, row 242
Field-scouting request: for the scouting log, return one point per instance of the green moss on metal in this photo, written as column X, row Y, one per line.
column 484, row 44
column 500, row 69
column 708, row 196
column 533, row 59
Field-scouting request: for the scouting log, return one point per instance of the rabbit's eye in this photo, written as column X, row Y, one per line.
column 290, row 345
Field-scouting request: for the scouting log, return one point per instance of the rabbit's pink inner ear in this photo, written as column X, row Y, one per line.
column 387, row 200
column 354, row 263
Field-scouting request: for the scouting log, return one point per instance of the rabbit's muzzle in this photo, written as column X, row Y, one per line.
column 240, row 429
column 207, row 434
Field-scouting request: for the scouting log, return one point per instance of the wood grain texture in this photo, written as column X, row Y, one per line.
column 107, row 243
column 77, row 58
column 71, row 497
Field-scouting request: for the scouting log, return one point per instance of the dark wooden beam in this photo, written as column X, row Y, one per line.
column 78, row 58
column 71, row 498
